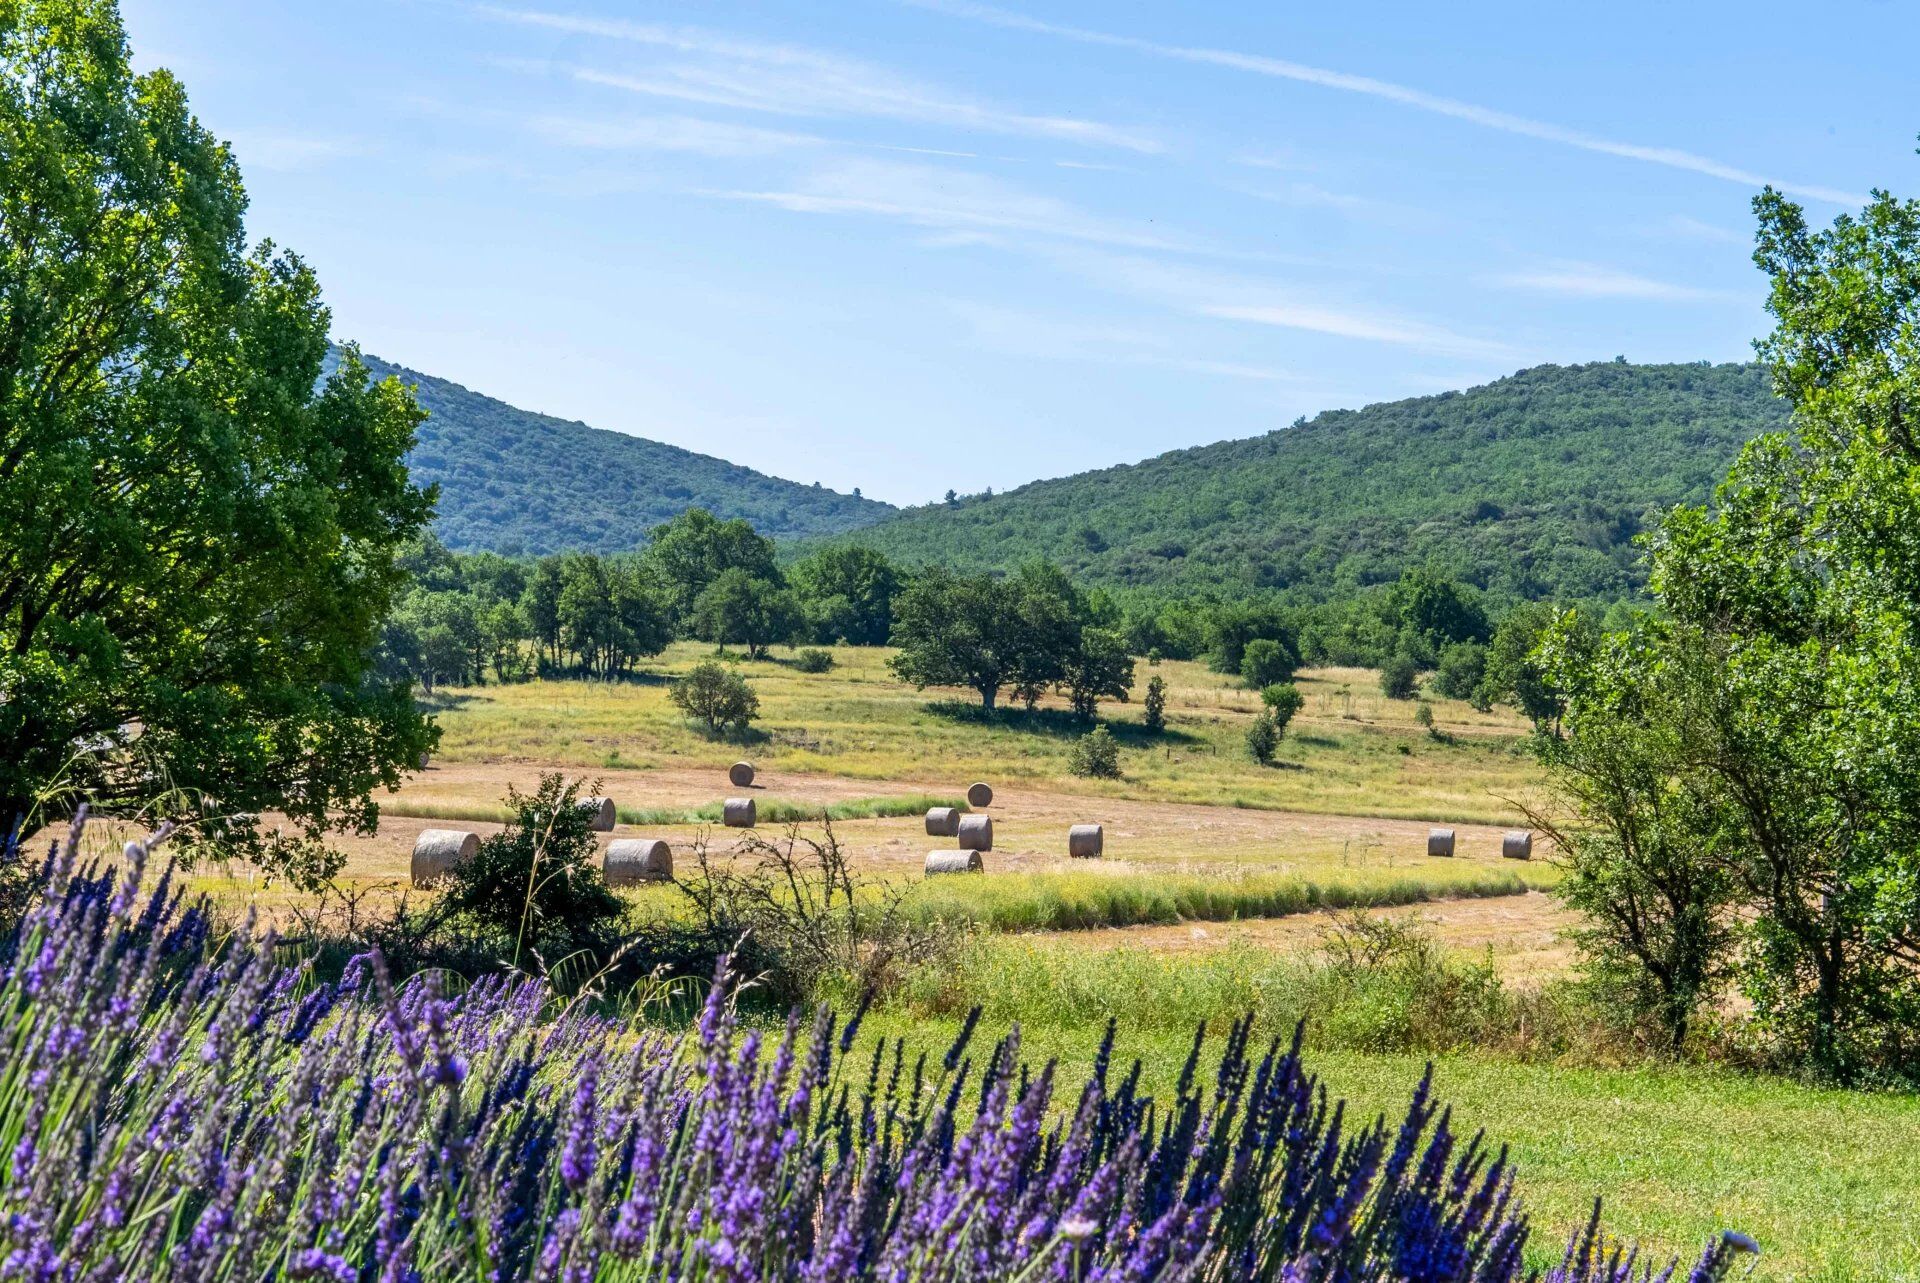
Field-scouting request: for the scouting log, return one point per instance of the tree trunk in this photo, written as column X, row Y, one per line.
column 988, row 694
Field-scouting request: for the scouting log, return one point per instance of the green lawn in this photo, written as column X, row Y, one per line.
column 1827, row 1181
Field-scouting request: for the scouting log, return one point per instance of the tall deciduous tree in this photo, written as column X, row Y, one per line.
column 1792, row 608
column 197, row 536
column 696, row 548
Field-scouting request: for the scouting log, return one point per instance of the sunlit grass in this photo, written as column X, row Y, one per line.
column 1078, row 901
column 1351, row 750
column 1824, row 1179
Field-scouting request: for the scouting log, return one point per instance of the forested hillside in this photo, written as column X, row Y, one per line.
column 518, row 482
column 1534, row 485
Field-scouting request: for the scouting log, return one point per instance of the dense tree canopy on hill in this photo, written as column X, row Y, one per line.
column 1531, row 486
column 518, row 482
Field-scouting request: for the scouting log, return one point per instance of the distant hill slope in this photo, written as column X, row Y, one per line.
column 515, row 481
column 1533, row 485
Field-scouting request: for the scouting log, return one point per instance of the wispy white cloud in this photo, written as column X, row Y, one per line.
column 1406, row 96
column 1589, row 280
column 1261, row 301
column 719, row 70
column 949, row 200
column 670, row 133
column 286, row 150
column 1017, row 332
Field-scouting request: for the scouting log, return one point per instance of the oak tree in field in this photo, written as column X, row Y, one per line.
column 197, row 533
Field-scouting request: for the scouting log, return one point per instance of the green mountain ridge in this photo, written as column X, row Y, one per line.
column 515, row 481
column 1534, row 485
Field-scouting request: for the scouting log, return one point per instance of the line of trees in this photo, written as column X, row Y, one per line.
column 477, row 617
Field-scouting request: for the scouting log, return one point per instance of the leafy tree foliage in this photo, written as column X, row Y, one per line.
column 1533, row 486
column 742, row 608
column 1399, row 676
column 1435, row 611
column 1462, row 671
column 848, row 591
column 1098, row 667
column 1263, row 738
column 717, row 696
column 1282, row 701
column 527, row 484
column 1232, row 626
column 1095, row 755
column 1153, row 712
column 695, row 548
column 1031, row 631
column 199, row 535
column 1647, row 865
column 1513, row 671
column 1266, row 662
column 1787, row 658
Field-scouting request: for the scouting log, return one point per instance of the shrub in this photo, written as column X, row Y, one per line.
column 718, row 696
column 1096, row 754
column 1265, row 662
column 1155, row 714
column 1263, row 738
column 1423, row 714
column 813, row 660
column 535, row 886
column 1398, row 676
column 1283, row 700
column 1461, row 670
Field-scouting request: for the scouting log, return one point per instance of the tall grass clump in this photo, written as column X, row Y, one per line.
column 1079, row 901
column 177, row 1109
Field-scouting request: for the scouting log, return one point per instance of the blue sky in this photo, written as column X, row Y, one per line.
column 918, row 246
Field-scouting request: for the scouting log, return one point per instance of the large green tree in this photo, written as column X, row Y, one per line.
column 1792, row 610
column 199, row 537
column 696, row 548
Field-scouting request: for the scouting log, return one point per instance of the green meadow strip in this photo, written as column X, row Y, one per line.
column 1083, row 901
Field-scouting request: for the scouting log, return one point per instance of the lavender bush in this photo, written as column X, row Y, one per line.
column 176, row 1108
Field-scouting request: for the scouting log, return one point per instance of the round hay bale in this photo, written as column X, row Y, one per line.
column 1517, row 845
column 437, row 851
column 939, row 862
column 740, row 775
column 1440, row 842
column 603, row 813
column 943, row 822
column 979, row 794
column 424, row 759
column 632, row 860
column 738, row 813
column 1086, row 841
column 975, row 832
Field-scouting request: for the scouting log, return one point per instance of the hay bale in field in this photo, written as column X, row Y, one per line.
column 437, row 851
column 740, row 775
column 1440, row 842
column 424, row 759
column 738, row 813
column 632, row 860
column 1517, row 845
column 979, row 794
column 975, row 832
column 939, row 862
column 943, row 822
column 1086, row 841
column 603, row 813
